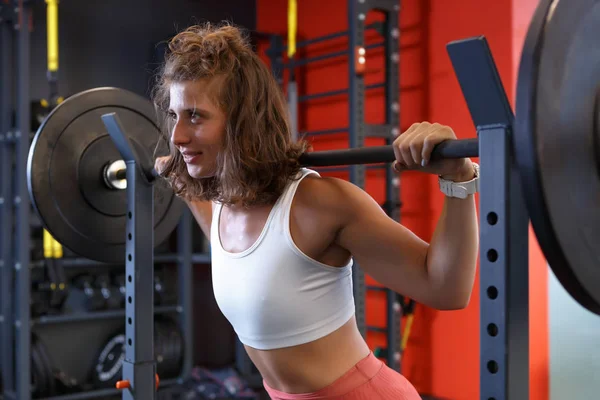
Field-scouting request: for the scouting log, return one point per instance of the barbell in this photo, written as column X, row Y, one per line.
column 71, row 172
column 76, row 176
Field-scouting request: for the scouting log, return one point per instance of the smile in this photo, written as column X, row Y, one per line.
column 190, row 158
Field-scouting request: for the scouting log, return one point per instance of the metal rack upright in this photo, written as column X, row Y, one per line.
column 358, row 130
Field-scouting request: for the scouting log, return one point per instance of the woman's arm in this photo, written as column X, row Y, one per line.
column 439, row 274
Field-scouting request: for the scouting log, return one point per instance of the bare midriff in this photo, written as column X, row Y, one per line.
column 311, row 366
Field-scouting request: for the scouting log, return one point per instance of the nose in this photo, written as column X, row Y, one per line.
column 179, row 135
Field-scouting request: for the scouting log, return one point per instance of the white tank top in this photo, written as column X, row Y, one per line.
column 273, row 294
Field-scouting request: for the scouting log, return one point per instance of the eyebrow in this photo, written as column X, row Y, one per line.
column 191, row 111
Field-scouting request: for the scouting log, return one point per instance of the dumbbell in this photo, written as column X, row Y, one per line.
column 119, row 282
column 92, row 297
column 109, row 291
column 159, row 289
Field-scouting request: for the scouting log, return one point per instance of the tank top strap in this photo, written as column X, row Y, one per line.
column 280, row 211
column 284, row 204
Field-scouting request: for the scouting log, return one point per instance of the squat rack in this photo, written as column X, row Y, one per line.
column 358, row 130
column 16, row 263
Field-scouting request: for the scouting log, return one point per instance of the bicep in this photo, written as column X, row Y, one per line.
column 386, row 250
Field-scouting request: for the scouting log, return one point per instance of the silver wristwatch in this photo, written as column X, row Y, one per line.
column 460, row 190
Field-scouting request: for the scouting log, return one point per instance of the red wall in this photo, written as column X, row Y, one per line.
column 442, row 357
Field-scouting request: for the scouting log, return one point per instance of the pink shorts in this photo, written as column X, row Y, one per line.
column 369, row 379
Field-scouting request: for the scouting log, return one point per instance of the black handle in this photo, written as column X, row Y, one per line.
column 385, row 154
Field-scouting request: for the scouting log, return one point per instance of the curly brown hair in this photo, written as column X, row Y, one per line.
column 258, row 157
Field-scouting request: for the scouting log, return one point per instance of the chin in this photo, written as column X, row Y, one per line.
column 198, row 172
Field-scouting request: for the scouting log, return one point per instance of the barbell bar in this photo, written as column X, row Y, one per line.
column 116, row 172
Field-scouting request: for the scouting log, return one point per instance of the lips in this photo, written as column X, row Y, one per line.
column 190, row 156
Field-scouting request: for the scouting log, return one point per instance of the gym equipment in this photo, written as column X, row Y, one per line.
column 161, row 295
column 558, row 114
column 85, row 292
column 71, row 174
column 119, row 282
column 42, row 369
column 168, row 351
column 110, row 293
column 159, row 291
column 557, row 110
column 108, row 368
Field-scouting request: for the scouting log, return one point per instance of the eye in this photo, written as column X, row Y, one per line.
column 195, row 118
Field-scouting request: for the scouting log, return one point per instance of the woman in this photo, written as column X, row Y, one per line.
column 284, row 239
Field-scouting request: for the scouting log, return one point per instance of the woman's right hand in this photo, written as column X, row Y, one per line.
column 159, row 164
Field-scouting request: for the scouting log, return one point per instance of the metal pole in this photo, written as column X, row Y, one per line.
column 292, row 94
column 504, row 264
column 504, row 277
column 275, row 55
column 6, row 203
column 357, row 12
column 184, row 244
column 139, row 366
column 392, row 120
column 21, row 200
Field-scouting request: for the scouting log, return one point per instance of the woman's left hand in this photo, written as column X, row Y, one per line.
column 413, row 150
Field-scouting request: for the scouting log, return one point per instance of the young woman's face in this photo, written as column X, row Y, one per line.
column 198, row 125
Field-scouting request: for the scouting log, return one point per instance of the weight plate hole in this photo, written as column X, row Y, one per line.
column 492, row 292
column 492, row 255
column 492, row 329
column 492, row 366
column 492, row 218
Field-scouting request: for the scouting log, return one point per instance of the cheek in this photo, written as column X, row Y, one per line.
column 214, row 134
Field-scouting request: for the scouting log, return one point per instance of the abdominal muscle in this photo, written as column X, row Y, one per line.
column 311, row 366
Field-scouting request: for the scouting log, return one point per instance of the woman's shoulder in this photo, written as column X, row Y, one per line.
column 322, row 195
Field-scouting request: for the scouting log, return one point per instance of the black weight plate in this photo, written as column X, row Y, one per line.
column 173, row 338
column 42, row 374
column 108, row 369
column 65, row 181
column 160, row 349
column 177, row 337
column 556, row 141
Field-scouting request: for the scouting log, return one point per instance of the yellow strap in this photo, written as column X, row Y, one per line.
column 406, row 333
column 47, row 244
column 52, row 32
column 57, row 250
column 292, row 26
column 52, row 248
